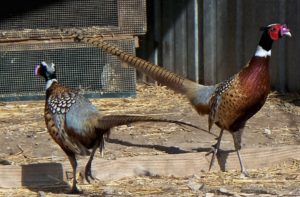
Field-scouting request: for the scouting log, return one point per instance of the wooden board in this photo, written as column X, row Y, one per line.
column 165, row 165
column 12, row 176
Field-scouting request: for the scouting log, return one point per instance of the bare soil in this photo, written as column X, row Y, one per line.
column 24, row 140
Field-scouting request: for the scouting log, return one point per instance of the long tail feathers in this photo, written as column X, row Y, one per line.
column 109, row 121
column 199, row 95
column 162, row 75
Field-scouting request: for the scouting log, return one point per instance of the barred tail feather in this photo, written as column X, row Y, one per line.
column 162, row 75
column 197, row 94
column 109, row 121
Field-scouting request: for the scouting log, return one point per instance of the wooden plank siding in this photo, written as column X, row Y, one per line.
column 292, row 46
column 173, row 36
column 210, row 40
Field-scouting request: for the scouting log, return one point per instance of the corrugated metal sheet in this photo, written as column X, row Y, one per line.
column 210, row 40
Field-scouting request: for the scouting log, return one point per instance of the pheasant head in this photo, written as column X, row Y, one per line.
column 47, row 71
column 276, row 31
column 270, row 34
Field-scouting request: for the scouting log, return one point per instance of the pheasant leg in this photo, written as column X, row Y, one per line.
column 215, row 149
column 88, row 166
column 72, row 159
column 237, row 139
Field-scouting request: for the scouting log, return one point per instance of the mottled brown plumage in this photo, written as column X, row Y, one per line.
column 76, row 125
column 229, row 104
column 241, row 96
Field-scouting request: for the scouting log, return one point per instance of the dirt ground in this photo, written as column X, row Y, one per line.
column 24, row 140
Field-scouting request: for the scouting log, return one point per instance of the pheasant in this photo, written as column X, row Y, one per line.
column 228, row 104
column 76, row 125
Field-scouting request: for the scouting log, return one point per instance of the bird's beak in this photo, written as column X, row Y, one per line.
column 285, row 31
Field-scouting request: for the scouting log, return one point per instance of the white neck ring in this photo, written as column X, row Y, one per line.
column 50, row 82
column 260, row 52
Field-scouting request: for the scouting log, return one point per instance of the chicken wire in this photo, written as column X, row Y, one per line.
column 44, row 18
column 79, row 66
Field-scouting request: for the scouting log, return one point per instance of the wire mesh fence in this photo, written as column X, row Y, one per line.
column 31, row 32
column 79, row 66
column 43, row 18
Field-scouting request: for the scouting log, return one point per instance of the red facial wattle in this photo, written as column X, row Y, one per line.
column 276, row 31
column 274, row 35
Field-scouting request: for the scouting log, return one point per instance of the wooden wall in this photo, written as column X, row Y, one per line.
column 210, row 40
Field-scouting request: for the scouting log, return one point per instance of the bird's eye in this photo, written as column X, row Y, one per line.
column 273, row 29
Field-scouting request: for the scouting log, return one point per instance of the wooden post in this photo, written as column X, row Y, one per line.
column 193, row 40
column 209, row 41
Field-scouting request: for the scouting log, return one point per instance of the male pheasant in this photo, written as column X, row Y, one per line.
column 228, row 104
column 75, row 124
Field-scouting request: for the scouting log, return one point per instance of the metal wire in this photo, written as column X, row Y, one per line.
column 66, row 13
column 79, row 66
column 29, row 19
